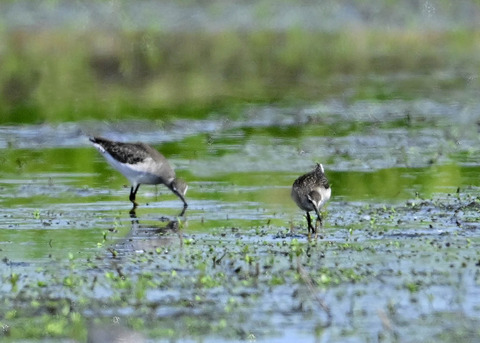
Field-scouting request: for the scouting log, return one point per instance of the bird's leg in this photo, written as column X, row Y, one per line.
column 309, row 221
column 133, row 193
column 133, row 215
column 318, row 220
column 315, row 206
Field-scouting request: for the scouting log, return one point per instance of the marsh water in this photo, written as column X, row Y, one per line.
column 398, row 133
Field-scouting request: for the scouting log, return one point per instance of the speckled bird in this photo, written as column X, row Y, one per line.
column 140, row 164
column 310, row 192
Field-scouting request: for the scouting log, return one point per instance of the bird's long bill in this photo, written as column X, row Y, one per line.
column 180, row 195
column 179, row 188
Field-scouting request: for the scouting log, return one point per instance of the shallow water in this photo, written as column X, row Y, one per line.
column 398, row 259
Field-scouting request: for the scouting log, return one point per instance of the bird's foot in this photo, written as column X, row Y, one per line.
column 133, row 213
column 134, row 207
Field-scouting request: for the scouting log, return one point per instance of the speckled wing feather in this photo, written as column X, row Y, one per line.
column 304, row 180
column 130, row 153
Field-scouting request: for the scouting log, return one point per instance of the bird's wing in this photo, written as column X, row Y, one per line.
column 130, row 153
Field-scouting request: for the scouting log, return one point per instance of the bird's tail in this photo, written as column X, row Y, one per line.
column 319, row 168
column 99, row 140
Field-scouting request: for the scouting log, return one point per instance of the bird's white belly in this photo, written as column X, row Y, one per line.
column 138, row 173
column 148, row 179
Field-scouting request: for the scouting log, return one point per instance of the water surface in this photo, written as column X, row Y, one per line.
column 398, row 243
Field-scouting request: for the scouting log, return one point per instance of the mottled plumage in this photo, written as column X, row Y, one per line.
column 130, row 153
column 310, row 192
column 140, row 164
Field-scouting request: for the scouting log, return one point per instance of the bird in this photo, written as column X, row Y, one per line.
column 310, row 192
column 141, row 164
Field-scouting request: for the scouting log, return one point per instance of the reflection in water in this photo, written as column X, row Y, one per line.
column 149, row 237
column 133, row 211
column 141, row 238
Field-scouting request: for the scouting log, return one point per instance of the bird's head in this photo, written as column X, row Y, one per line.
column 179, row 186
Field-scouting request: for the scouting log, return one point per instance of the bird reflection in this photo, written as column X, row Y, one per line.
column 150, row 236
column 133, row 212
